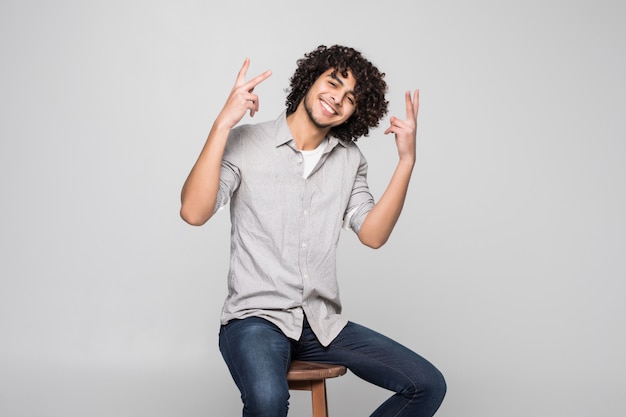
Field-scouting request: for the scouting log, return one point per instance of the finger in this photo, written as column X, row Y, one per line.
column 252, row 103
column 393, row 125
column 409, row 105
column 257, row 80
column 416, row 102
column 255, row 106
column 400, row 123
column 241, row 75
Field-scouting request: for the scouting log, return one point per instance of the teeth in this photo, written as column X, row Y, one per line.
column 327, row 107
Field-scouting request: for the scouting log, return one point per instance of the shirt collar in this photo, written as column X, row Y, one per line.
column 283, row 134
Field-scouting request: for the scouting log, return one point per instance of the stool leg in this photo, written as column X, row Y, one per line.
column 318, row 397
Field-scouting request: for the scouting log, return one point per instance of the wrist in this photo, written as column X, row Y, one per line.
column 407, row 161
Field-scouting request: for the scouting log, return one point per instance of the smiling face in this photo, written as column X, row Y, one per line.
column 331, row 100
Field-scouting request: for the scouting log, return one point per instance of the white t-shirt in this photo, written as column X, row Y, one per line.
column 310, row 158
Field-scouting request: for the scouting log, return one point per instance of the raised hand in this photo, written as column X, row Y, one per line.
column 406, row 130
column 241, row 98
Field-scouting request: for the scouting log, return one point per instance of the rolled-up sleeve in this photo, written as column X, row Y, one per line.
column 361, row 200
column 230, row 174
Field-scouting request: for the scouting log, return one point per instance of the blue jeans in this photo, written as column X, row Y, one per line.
column 258, row 355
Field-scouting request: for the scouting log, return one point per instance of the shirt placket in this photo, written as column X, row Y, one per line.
column 304, row 235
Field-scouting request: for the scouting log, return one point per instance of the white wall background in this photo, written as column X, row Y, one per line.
column 508, row 266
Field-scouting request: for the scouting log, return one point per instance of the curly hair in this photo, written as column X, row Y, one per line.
column 369, row 91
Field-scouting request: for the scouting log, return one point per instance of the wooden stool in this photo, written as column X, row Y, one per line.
column 311, row 376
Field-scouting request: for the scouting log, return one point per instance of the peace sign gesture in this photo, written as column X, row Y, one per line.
column 406, row 130
column 241, row 98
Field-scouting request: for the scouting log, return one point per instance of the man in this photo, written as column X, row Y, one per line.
column 293, row 184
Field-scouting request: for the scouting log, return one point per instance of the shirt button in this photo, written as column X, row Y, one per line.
column 304, row 245
column 305, row 212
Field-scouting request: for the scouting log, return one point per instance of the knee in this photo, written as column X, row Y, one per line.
column 437, row 386
column 266, row 400
column 432, row 389
column 427, row 385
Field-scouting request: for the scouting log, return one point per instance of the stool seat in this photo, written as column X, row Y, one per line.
column 305, row 371
column 311, row 376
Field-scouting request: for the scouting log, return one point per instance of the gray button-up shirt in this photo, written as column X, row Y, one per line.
column 285, row 228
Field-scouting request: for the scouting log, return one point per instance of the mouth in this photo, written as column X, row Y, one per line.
column 328, row 108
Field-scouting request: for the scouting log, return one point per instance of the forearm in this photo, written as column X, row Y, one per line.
column 380, row 221
column 200, row 190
